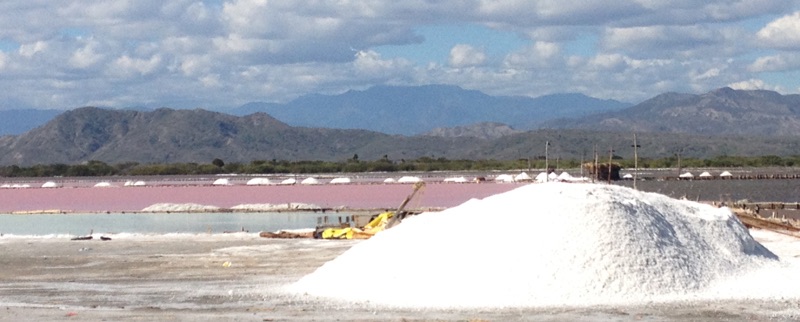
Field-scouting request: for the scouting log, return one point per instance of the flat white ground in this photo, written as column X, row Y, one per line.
column 238, row 277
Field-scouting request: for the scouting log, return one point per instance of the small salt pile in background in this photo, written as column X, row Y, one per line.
column 552, row 244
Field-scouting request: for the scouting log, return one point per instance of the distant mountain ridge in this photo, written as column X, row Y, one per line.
column 406, row 110
column 720, row 122
column 167, row 135
column 410, row 110
column 199, row 136
column 723, row 111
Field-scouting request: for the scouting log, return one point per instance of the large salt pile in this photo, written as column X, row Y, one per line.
column 551, row 244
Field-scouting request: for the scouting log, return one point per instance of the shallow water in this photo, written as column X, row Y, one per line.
column 154, row 223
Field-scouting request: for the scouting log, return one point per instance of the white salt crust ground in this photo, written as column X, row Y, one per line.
column 557, row 244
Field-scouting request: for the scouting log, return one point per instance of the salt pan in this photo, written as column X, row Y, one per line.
column 551, row 244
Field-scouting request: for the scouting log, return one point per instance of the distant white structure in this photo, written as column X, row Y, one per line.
column 15, row 186
column 687, row 175
column 705, row 175
column 552, row 176
column 131, row 183
column 222, row 182
column 289, row 181
column 389, row 180
column 541, row 177
column 102, row 185
column 455, row 180
column 341, row 180
column 522, row 177
column 258, row 182
column 628, row 176
column 504, row 178
column 310, row 181
column 565, row 177
column 409, row 179
column 50, row 184
column 725, row 174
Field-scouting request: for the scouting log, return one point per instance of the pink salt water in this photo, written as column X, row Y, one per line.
column 357, row 196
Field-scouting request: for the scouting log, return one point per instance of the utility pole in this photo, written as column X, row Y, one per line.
column 610, row 157
column 546, row 162
column 635, row 160
column 596, row 170
column 529, row 164
column 583, row 160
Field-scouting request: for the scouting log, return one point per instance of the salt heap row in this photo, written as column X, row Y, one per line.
column 540, row 245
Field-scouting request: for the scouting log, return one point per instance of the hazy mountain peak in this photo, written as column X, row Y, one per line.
column 410, row 110
column 723, row 111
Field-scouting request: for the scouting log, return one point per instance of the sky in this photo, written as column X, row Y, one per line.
column 222, row 54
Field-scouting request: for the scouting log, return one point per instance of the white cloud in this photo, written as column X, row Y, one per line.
column 782, row 33
column 546, row 50
column 370, row 64
column 776, row 63
column 463, row 55
column 541, row 55
column 608, row 62
column 754, row 84
column 85, row 56
column 194, row 64
column 127, row 67
column 210, row 81
column 235, row 44
column 708, row 74
column 28, row 50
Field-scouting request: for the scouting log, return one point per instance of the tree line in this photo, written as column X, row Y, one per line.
column 354, row 165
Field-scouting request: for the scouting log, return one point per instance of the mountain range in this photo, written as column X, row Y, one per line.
column 720, row 112
column 406, row 110
column 721, row 122
column 420, row 109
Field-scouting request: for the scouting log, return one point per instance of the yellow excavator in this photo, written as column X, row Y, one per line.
column 380, row 223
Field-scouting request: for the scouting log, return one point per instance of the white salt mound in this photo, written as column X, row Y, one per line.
column 277, row 207
column 554, row 244
column 179, row 207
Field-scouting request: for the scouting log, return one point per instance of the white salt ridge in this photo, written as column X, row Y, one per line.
column 554, row 244
column 193, row 207
column 179, row 207
column 276, row 207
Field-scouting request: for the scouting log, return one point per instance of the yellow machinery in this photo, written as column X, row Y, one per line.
column 373, row 227
column 381, row 222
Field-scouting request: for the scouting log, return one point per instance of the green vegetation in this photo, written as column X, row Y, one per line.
column 354, row 165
